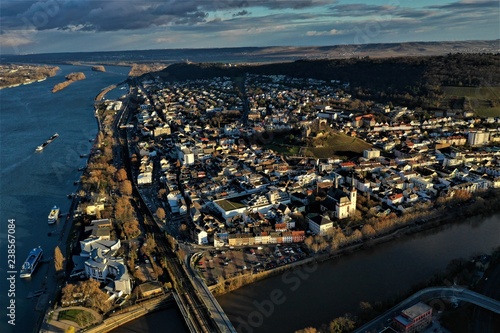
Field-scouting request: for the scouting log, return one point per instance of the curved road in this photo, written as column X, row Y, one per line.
column 428, row 294
column 485, row 321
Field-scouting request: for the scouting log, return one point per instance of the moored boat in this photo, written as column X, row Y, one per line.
column 31, row 262
column 54, row 215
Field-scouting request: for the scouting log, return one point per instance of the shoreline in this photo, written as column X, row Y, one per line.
column 42, row 322
column 404, row 231
column 24, row 83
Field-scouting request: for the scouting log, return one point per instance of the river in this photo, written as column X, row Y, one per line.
column 31, row 183
column 315, row 294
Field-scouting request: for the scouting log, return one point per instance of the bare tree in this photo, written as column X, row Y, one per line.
column 160, row 213
column 58, row 259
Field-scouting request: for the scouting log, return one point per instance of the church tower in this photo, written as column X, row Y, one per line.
column 352, row 196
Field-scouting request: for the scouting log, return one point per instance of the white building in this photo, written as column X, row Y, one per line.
column 371, row 153
column 103, row 268
column 477, row 138
column 320, row 224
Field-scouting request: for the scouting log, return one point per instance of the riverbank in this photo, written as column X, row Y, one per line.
column 458, row 213
column 14, row 75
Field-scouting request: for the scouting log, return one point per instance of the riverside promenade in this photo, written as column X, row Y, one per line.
column 52, row 324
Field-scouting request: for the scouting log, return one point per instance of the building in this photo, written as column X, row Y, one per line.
column 105, row 268
column 342, row 202
column 477, row 138
column 414, row 319
column 371, row 153
column 320, row 224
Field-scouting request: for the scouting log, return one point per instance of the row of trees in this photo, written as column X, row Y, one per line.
column 86, row 293
column 337, row 237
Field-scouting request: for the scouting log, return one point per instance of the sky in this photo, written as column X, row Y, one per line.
column 48, row 26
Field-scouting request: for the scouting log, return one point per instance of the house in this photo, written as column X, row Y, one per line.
column 320, row 224
column 201, row 236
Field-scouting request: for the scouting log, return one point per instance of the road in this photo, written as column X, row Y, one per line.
column 426, row 295
column 485, row 321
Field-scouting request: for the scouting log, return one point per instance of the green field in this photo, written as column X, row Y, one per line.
column 485, row 101
column 81, row 317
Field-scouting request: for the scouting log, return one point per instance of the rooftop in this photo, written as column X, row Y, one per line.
column 229, row 204
column 416, row 310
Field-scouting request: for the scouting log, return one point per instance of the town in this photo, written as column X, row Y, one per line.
column 251, row 175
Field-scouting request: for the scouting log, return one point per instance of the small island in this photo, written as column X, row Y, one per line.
column 98, row 68
column 70, row 78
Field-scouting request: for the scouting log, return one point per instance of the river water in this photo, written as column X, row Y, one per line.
column 32, row 183
column 315, row 294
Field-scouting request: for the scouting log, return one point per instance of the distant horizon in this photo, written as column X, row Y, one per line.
column 261, row 47
column 61, row 26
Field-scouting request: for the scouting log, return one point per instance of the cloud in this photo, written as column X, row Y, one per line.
column 325, row 33
column 241, row 13
column 359, row 10
column 114, row 15
column 13, row 40
column 469, row 5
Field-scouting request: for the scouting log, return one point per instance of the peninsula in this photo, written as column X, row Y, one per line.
column 70, row 78
column 267, row 168
column 13, row 75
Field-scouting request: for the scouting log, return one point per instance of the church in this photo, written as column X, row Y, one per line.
column 340, row 201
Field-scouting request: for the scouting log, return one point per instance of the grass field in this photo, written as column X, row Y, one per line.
column 330, row 145
column 338, row 144
column 483, row 100
column 81, row 317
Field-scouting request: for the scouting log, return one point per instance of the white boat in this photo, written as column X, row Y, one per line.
column 31, row 262
column 54, row 215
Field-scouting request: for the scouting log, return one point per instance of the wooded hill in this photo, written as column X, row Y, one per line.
column 410, row 81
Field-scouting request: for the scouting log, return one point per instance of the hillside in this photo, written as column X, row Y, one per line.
column 410, row 81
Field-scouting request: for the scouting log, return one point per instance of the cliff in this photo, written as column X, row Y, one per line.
column 70, row 78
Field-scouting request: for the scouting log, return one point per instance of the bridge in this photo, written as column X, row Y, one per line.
column 427, row 295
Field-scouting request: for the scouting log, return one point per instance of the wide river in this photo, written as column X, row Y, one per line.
column 31, row 183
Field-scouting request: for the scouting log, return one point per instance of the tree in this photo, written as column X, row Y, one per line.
column 342, row 324
column 58, row 259
column 368, row 231
column 160, row 213
column 121, row 175
column 307, row 330
column 70, row 329
column 126, row 187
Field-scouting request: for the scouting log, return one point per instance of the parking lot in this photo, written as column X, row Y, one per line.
column 228, row 263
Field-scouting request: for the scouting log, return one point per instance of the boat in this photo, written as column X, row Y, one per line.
column 31, row 262
column 54, row 215
column 46, row 143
